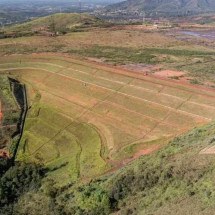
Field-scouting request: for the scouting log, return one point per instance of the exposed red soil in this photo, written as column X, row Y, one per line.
column 141, row 68
column 178, row 76
column 121, row 164
column 1, row 113
column 169, row 73
column 142, row 152
column 1, row 116
column 4, row 154
column 208, row 150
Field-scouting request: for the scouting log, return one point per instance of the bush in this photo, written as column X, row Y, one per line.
column 19, row 179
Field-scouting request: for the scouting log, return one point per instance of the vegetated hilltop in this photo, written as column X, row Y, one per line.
column 164, row 7
column 59, row 23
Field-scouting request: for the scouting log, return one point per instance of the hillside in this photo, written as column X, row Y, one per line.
column 9, row 115
column 120, row 119
column 103, row 117
column 59, row 23
column 163, row 7
column 179, row 179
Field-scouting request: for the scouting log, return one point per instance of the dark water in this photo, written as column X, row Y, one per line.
column 201, row 34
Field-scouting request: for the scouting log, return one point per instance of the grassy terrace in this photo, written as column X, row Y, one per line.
column 99, row 139
column 128, row 45
column 198, row 64
column 85, row 118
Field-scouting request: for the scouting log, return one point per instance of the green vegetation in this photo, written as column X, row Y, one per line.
column 177, row 175
column 161, row 8
column 200, row 64
column 117, row 55
column 15, row 182
column 10, row 113
column 60, row 23
column 176, row 179
column 128, row 55
column 178, row 52
column 69, row 149
column 86, row 121
column 5, row 93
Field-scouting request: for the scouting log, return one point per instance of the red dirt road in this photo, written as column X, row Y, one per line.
column 4, row 154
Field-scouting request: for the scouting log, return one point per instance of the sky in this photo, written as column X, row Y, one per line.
column 93, row 1
column 41, row 2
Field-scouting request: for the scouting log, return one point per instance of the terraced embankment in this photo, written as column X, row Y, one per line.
column 87, row 118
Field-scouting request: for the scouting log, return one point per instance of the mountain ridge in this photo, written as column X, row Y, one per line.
column 167, row 7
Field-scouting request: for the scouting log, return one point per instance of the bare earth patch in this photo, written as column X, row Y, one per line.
column 142, row 68
column 209, row 84
column 169, row 74
column 208, row 151
column 1, row 114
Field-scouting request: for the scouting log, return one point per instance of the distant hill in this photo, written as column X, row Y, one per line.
column 163, row 7
column 59, row 23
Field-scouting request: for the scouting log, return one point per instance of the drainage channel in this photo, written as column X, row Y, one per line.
column 19, row 92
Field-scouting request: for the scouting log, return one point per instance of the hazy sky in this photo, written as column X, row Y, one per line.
column 2, row 2
column 40, row 3
column 93, row 1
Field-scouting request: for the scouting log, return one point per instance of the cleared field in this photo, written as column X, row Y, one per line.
column 86, row 118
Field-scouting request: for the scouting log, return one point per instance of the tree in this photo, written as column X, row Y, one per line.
column 52, row 26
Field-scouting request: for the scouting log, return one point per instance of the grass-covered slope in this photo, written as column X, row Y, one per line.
column 68, row 148
column 176, row 180
column 57, row 23
column 179, row 179
column 5, row 93
column 86, row 119
column 9, row 112
column 165, row 7
column 80, row 124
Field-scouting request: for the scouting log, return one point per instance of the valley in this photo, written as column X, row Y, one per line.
column 106, row 117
